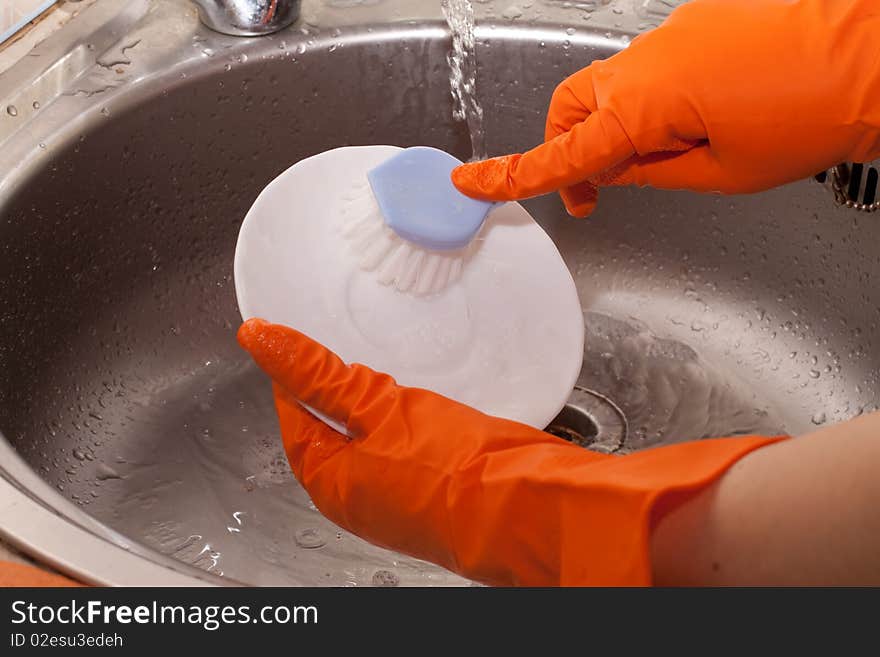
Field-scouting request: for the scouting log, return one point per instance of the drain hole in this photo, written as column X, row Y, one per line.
column 855, row 181
column 854, row 185
column 590, row 419
column 870, row 187
column 575, row 426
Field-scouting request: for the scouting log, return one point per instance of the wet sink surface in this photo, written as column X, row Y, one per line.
column 120, row 380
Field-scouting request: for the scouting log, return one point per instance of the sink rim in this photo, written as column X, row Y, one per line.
column 37, row 518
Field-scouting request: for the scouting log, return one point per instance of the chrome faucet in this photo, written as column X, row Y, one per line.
column 248, row 17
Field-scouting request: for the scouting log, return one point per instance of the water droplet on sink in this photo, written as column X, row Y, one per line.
column 310, row 538
column 818, row 418
column 105, row 472
column 385, row 578
column 79, row 454
column 814, row 374
column 12, row 110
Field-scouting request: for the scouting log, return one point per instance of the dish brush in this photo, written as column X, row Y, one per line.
column 409, row 223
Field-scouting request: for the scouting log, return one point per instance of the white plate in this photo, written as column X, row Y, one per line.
column 507, row 338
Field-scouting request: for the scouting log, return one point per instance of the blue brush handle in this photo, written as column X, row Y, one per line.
column 418, row 201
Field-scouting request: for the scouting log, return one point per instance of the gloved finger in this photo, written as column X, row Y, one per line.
column 316, row 453
column 589, row 147
column 354, row 395
column 572, row 102
column 580, row 199
column 697, row 169
column 701, row 169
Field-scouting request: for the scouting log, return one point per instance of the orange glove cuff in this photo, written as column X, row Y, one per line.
column 628, row 495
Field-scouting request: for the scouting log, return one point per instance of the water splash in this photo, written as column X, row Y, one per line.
column 213, row 496
column 669, row 392
column 462, row 60
column 385, row 578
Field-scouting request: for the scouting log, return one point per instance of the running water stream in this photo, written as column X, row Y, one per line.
column 462, row 60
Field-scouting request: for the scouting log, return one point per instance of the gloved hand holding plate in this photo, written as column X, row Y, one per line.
column 506, row 338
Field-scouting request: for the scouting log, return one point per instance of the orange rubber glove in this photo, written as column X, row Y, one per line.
column 491, row 499
column 726, row 95
column 22, row 575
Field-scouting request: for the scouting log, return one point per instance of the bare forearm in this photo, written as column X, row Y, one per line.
column 801, row 512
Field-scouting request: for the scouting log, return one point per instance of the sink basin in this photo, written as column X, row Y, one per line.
column 134, row 423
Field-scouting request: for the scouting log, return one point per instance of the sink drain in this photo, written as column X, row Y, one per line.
column 590, row 419
column 574, row 425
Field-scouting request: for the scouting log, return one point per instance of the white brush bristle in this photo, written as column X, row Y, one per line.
column 396, row 261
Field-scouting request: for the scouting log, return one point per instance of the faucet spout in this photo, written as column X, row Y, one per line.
column 248, row 17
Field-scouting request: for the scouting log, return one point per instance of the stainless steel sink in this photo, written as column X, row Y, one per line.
column 141, row 444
